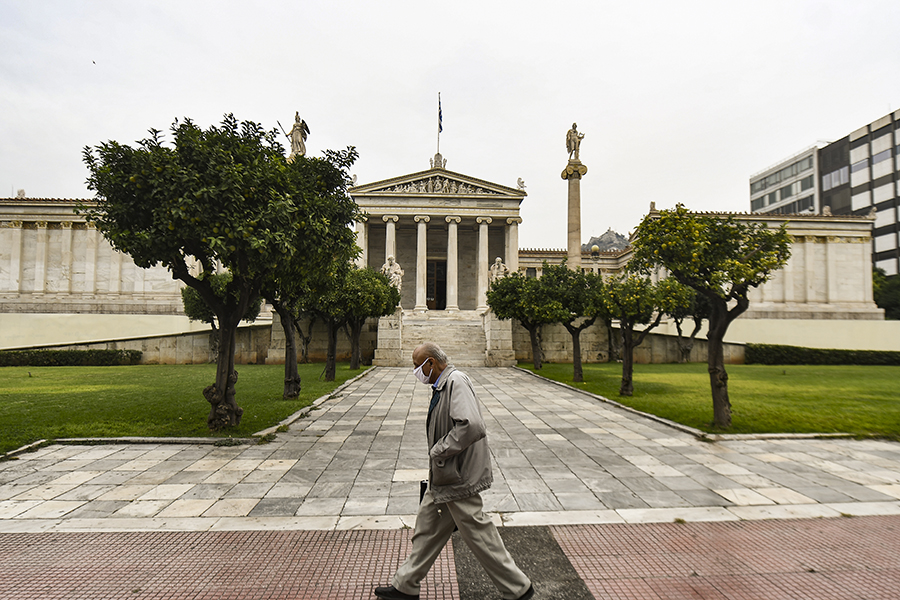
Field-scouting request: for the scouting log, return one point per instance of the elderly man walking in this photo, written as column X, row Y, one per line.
column 459, row 470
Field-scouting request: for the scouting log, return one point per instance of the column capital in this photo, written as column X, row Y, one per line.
column 41, row 224
column 453, row 219
column 362, row 218
column 392, row 218
column 514, row 220
column 574, row 170
column 66, row 224
column 481, row 220
column 425, row 218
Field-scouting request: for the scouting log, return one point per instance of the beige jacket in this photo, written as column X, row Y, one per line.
column 460, row 460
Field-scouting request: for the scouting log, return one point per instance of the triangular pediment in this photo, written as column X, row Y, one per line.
column 437, row 182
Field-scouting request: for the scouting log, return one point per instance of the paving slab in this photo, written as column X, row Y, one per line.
column 361, row 453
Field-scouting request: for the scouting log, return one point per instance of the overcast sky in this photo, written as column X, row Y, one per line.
column 679, row 101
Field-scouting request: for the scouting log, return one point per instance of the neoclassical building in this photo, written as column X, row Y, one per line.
column 445, row 230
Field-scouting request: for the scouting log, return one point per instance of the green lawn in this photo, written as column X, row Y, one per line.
column 859, row 400
column 147, row 400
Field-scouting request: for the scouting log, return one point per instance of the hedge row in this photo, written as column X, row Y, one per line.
column 69, row 358
column 770, row 354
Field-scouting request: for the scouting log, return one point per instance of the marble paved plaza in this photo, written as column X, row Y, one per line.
column 561, row 457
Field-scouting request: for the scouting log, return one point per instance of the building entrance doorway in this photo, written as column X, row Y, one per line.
column 436, row 285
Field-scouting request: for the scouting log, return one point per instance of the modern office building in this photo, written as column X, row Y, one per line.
column 854, row 175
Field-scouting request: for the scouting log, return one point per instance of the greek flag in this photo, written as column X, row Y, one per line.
column 440, row 116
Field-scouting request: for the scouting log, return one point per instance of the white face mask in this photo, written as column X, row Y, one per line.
column 422, row 376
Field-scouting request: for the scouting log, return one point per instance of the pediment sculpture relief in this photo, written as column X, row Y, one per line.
column 437, row 185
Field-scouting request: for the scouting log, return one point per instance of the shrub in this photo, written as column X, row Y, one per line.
column 771, row 354
column 68, row 358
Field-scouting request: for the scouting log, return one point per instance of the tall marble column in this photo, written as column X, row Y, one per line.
column 362, row 240
column 452, row 263
column 421, row 261
column 573, row 173
column 512, row 244
column 390, row 236
column 482, row 266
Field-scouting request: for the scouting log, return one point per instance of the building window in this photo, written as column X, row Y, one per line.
column 757, row 204
column 836, row 178
column 806, row 183
column 881, row 156
column 786, row 191
column 531, row 272
column 859, row 166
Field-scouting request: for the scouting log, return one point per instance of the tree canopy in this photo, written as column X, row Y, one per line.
column 719, row 257
column 526, row 300
column 219, row 197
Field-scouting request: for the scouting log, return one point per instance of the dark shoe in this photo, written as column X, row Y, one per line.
column 528, row 594
column 392, row 593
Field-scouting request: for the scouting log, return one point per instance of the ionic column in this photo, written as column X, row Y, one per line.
column 482, row 266
column 573, row 173
column 390, row 236
column 362, row 240
column 452, row 263
column 421, row 260
column 40, row 256
column 512, row 244
column 66, row 256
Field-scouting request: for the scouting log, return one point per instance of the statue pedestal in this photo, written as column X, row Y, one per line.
column 573, row 173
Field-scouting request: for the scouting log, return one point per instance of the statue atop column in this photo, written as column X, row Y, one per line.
column 573, row 141
column 298, row 137
column 498, row 271
column 393, row 271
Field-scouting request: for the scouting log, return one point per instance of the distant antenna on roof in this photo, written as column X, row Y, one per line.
column 20, row 194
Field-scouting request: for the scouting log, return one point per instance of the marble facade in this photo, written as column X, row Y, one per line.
column 445, row 229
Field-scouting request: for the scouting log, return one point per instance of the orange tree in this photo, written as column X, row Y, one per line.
column 225, row 196
column 720, row 258
column 578, row 293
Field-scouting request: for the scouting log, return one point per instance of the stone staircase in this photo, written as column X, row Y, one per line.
column 460, row 334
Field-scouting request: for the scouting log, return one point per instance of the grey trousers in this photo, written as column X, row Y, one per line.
column 434, row 526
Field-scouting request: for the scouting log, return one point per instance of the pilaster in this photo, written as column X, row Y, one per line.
column 512, row 244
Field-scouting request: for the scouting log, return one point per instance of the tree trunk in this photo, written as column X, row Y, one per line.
column 305, row 338
column 577, row 373
column 355, row 352
column 615, row 349
column 224, row 411
column 331, row 353
column 718, row 378
column 291, row 374
column 627, row 387
column 536, row 355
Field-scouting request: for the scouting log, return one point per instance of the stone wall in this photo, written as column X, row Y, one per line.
column 556, row 343
column 251, row 347
column 318, row 346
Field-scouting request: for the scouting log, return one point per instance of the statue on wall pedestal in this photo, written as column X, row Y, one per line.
column 573, row 141
column 299, row 132
column 498, row 271
column 393, row 271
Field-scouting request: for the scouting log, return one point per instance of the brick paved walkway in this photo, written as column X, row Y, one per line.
column 640, row 509
column 820, row 559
